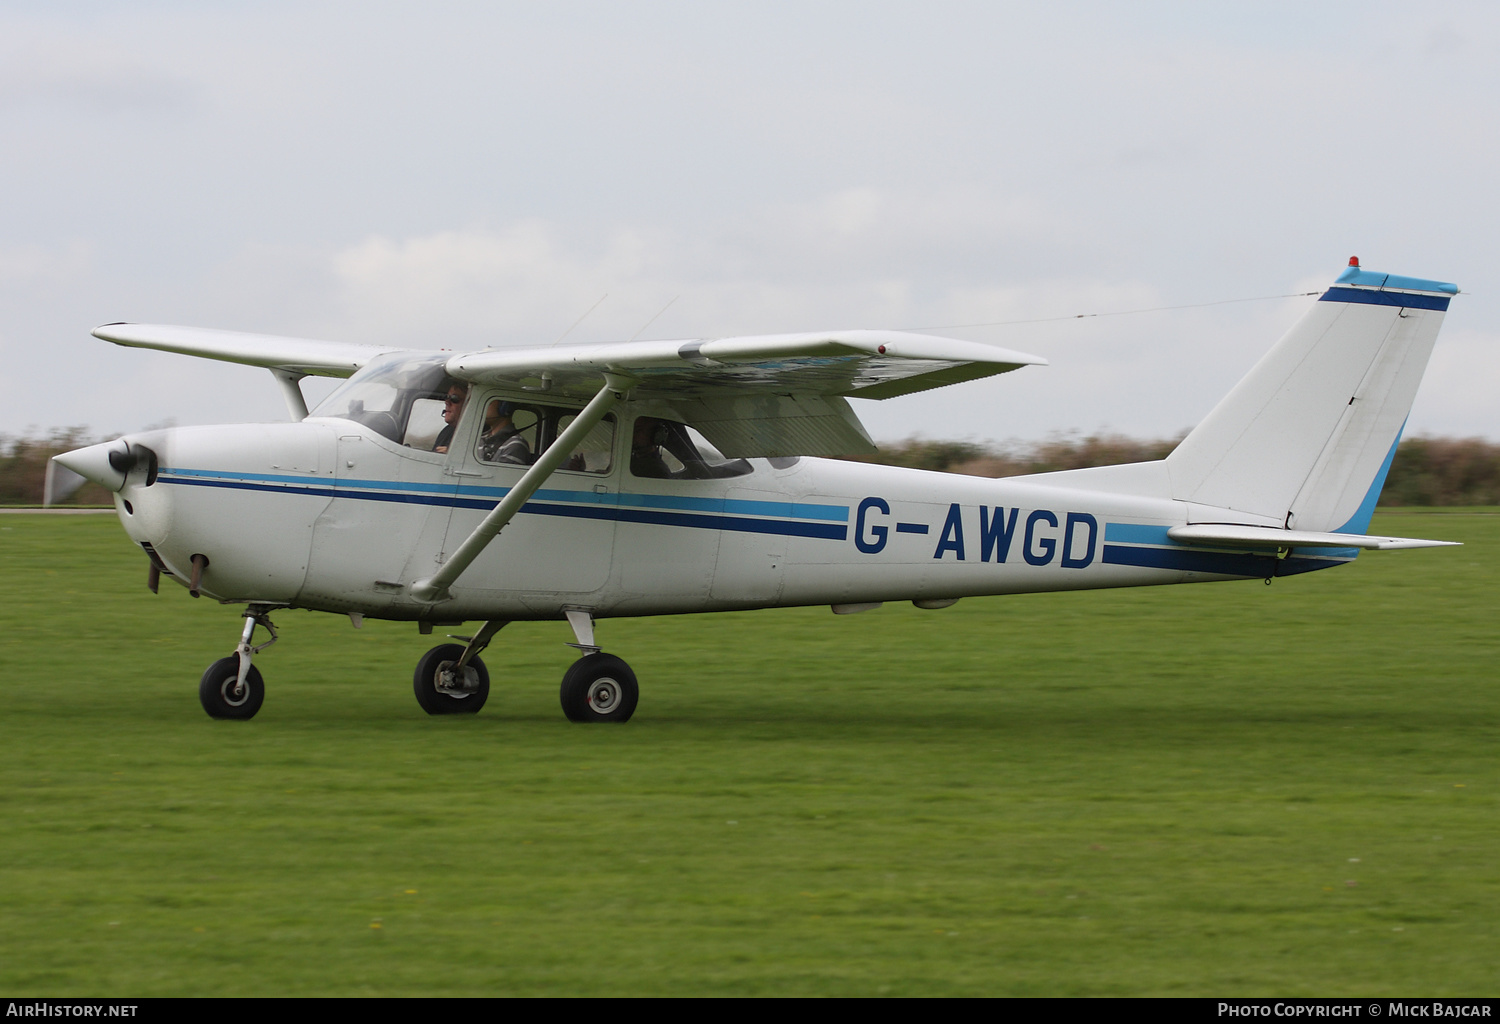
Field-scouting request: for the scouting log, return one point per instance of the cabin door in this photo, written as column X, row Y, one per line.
column 562, row 540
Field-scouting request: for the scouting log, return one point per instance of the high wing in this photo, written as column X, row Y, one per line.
column 780, row 394
column 300, row 356
column 868, row 364
column 863, row 364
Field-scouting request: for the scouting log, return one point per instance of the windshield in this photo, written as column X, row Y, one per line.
column 399, row 397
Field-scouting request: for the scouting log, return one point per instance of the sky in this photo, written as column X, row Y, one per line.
column 460, row 175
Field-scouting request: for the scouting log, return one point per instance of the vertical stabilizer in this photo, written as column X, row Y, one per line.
column 1308, row 435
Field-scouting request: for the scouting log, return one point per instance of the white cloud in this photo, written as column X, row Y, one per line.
column 476, row 174
column 860, row 257
column 82, row 72
column 32, row 266
column 1151, row 372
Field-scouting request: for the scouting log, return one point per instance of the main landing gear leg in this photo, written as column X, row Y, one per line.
column 598, row 687
column 451, row 680
column 232, row 687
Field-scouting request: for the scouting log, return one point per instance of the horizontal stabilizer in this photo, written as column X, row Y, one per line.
column 1231, row 535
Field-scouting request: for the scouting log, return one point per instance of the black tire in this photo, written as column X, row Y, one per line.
column 599, row 688
column 216, row 690
column 435, row 701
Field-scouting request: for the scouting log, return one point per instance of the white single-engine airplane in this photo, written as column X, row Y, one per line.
column 649, row 478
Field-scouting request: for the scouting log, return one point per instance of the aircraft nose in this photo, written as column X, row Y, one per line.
column 111, row 463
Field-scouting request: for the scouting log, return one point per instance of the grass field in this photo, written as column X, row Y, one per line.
column 1228, row 789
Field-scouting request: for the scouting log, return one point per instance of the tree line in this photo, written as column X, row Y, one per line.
column 1426, row 470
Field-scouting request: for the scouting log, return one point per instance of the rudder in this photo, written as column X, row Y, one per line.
column 1307, row 436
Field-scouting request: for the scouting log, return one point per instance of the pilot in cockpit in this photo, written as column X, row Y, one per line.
column 453, row 407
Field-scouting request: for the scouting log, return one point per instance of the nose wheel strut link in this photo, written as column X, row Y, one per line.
column 255, row 615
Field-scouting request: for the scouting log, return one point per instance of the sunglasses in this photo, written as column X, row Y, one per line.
column 453, row 400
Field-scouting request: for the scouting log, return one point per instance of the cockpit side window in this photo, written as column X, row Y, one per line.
column 424, row 424
column 667, row 450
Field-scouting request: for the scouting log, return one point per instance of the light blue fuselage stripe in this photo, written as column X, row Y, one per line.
column 1135, row 533
column 539, row 505
column 741, row 506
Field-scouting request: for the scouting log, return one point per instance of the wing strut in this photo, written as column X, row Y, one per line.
column 291, row 390
column 435, row 587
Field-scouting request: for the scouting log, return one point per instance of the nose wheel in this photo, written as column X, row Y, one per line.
column 225, row 695
column 232, row 687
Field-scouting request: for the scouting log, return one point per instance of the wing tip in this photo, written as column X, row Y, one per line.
column 102, row 332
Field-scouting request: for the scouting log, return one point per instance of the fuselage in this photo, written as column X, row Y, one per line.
column 662, row 477
column 329, row 514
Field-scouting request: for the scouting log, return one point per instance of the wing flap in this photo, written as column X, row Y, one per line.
column 294, row 355
column 766, row 426
column 876, row 364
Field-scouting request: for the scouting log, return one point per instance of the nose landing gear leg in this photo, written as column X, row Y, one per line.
column 232, row 687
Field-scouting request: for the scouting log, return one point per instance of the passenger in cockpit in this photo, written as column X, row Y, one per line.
column 645, row 449
column 501, row 441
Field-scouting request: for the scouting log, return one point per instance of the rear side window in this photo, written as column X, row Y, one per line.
column 668, row 450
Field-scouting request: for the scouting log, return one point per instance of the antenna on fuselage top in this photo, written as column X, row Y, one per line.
column 581, row 319
column 653, row 320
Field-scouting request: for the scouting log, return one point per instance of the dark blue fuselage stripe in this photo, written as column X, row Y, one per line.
column 824, row 531
column 1403, row 299
column 682, row 502
column 325, row 492
column 1252, row 566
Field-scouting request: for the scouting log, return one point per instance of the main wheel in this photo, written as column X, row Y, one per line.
column 464, row 698
column 599, row 688
column 217, row 693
